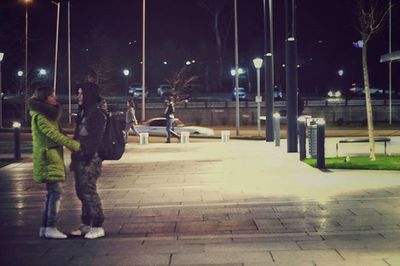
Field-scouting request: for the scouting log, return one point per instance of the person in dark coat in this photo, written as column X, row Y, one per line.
column 170, row 117
column 86, row 163
column 48, row 158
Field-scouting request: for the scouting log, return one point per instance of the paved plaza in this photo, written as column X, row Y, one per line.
column 212, row 203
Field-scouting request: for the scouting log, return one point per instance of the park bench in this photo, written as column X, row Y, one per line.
column 360, row 140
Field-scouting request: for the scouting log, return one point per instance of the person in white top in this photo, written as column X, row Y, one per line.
column 130, row 119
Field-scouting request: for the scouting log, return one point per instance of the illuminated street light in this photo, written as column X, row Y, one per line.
column 188, row 63
column 340, row 72
column 258, row 64
column 20, row 73
column 126, row 72
column 165, row 62
column 240, row 71
column 42, row 72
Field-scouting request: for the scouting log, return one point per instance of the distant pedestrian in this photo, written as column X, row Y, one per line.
column 170, row 117
column 86, row 163
column 48, row 157
column 130, row 119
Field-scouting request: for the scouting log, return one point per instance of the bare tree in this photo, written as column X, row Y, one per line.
column 221, row 30
column 371, row 21
column 181, row 82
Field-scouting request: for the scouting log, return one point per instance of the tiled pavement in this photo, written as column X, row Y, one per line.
column 211, row 203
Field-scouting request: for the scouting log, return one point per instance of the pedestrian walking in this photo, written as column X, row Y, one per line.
column 170, row 116
column 86, row 163
column 48, row 157
column 130, row 119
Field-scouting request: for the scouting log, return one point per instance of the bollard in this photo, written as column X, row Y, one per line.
column 321, row 143
column 302, row 137
column 143, row 138
column 17, row 140
column 225, row 135
column 277, row 129
column 185, row 137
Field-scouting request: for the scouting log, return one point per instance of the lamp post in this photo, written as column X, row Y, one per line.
column 26, row 60
column 126, row 73
column 17, row 140
column 257, row 64
column 56, row 50
column 237, row 69
column 69, row 64
column 1, row 93
column 144, row 60
column 20, row 74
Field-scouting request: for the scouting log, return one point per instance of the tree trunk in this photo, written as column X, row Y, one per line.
column 368, row 103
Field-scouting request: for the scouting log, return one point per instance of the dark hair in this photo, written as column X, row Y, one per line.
column 131, row 103
column 91, row 93
column 42, row 93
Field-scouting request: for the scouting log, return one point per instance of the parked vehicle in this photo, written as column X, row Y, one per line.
column 241, row 93
column 136, row 92
column 164, row 88
column 356, row 91
column 157, row 126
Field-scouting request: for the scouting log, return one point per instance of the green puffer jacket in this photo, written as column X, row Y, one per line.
column 48, row 142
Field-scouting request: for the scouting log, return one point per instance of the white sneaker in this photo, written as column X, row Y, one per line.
column 81, row 231
column 54, row 233
column 95, row 232
column 41, row 231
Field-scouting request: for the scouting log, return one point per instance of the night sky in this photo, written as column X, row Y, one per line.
column 181, row 30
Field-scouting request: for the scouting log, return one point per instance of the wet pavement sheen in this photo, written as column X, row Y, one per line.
column 211, row 203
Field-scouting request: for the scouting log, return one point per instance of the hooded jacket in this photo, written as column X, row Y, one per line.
column 48, row 142
column 91, row 123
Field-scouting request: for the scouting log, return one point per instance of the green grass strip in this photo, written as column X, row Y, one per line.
column 383, row 162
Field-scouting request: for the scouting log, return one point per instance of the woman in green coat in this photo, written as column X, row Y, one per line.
column 48, row 159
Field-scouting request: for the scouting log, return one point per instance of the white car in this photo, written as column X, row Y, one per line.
column 158, row 125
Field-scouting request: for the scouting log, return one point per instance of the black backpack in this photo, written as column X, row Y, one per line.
column 113, row 143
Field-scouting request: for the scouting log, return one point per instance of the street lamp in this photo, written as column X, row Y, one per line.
column 126, row 73
column 26, row 59
column 20, row 74
column 257, row 64
column 1, row 93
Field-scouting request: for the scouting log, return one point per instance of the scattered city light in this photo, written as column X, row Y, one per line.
column 340, row 72
column 20, row 73
column 165, row 62
column 42, row 72
column 126, row 72
column 16, row 124
column 240, row 71
column 188, row 63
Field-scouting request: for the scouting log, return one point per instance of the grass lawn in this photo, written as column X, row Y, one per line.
column 360, row 162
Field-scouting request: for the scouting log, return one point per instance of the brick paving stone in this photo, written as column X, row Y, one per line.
column 291, row 257
column 220, row 257
column 138, row 228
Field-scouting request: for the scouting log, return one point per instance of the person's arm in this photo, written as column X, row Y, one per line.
column 134, row 116
column 53, row 133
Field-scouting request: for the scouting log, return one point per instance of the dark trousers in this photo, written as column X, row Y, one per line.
column 86, row 189
column 52, row 206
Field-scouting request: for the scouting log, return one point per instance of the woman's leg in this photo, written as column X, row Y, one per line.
column 54, row 191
